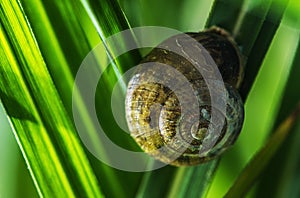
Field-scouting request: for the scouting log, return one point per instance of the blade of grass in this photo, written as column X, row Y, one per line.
column 63, row 63
column 230, row 22
column 259, row 18
column 11, row 160
column 108, row 19
column 232, row 8
column 237, row 11
column 76, row 30
column 287, row 181
column 259, row 162
column 154, row 180
column 46, row 136
column 264, row 99
column 288, row 159
column 217, row 18
column 255, row 45
column 281, row 174
column 193, row 182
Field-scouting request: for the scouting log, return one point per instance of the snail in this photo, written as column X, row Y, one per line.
column 169, row 123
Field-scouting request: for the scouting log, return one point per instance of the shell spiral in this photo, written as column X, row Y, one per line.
column 172, row 127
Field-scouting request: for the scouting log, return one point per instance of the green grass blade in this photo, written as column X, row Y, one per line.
column 241, row 12
column 157, row 179
column 280, row 176
column 46, row 136
column 287, row 159
column 193, row 182
column 259, row 162
column 253, row 24
column 63, row 63
column 77, row 30
column 261, row 107
column 12, row 166
column 261, row 43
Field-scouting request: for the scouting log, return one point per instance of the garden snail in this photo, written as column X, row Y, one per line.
column 154, row 111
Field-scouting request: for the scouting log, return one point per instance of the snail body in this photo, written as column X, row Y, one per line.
column 169, row 124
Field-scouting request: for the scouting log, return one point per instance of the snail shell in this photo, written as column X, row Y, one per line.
column 154, row 112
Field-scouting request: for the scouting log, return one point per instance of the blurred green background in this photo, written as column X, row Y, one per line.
column 15, row 180
column 273, row 95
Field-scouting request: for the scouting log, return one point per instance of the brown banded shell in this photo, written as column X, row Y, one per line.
column 155, row 114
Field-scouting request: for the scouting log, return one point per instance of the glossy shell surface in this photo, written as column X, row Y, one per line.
column 154, row 112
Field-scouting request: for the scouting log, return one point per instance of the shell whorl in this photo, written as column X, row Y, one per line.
column 172, row 127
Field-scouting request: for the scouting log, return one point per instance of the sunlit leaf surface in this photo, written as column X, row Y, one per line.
column 43, row 44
